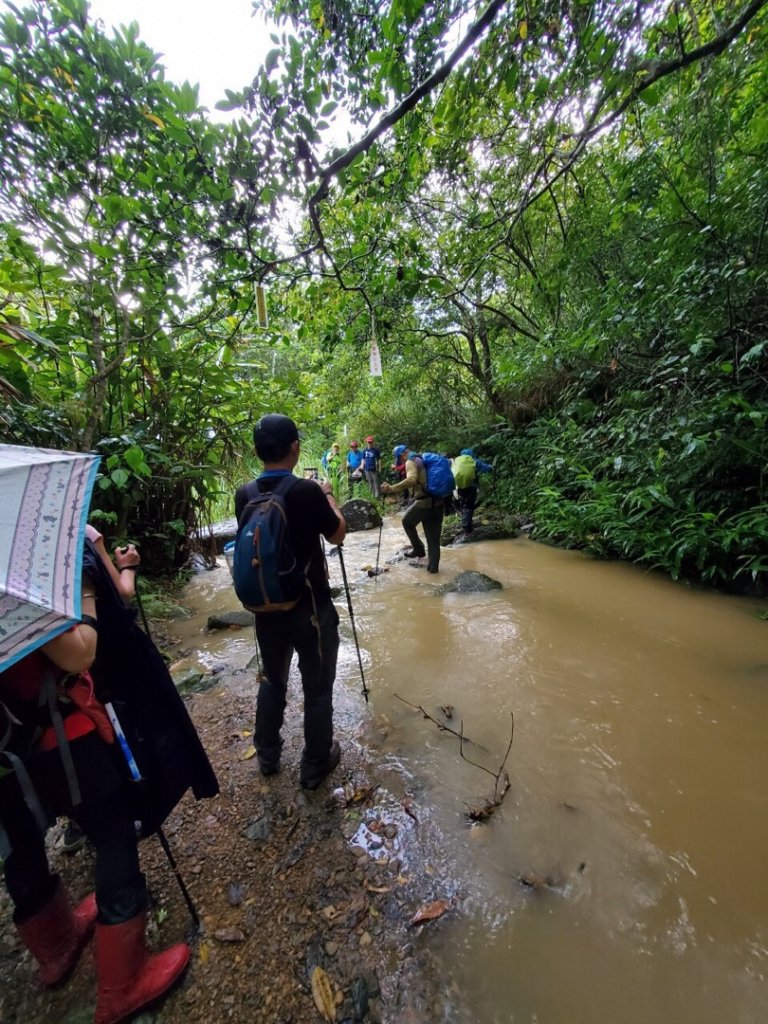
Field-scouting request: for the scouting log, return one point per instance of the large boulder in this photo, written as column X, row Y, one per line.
column 469, row 583
column 217, row 535
column 360, row 515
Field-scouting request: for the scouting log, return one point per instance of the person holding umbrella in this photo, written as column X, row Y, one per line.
column 58, row 753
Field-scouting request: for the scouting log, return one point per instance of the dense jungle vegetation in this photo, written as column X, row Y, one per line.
column 551, row 217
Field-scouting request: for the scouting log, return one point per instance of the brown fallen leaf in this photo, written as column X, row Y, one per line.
column 322, row 993
column 377, row 888
column 535, row 882
column 362, row 793
column 430, row 911
column 229, row 935
column 203, row 952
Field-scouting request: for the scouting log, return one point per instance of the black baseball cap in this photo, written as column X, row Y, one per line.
column 274, row 428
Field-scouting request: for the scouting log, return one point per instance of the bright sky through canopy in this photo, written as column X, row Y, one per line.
column 214, row 43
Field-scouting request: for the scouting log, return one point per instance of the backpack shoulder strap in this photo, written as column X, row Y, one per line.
column 281, row 485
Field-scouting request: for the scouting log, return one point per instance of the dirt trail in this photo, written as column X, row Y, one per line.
column 278, row 886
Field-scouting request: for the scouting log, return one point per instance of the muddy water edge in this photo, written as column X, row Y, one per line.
column 623, row 877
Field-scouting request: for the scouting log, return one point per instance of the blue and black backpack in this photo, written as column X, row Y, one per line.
column 265, row 572
column 440, row 483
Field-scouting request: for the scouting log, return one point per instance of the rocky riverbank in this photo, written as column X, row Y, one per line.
column 290, row 887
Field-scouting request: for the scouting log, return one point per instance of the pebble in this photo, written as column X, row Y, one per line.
column 365, row 940
column 331, row 948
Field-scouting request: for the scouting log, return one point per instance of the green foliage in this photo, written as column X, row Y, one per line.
column 560, row 251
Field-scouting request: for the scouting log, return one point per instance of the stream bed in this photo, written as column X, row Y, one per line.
column 623, row 876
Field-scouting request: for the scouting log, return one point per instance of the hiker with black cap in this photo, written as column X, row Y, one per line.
column 308, row 624
column 424, row 508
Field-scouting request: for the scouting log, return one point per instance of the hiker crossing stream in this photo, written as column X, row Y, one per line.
column 622, row 877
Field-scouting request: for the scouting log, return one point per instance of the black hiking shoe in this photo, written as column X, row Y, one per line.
column 268, row 768
column 410, row 553
column 313, row 781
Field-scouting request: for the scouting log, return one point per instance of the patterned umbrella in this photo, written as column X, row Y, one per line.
column 44, row 499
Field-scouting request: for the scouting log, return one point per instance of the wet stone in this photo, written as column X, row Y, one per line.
column 469, row 583
column 259, row 830
column 193, row 681
column 224, row 620
column 360, row 515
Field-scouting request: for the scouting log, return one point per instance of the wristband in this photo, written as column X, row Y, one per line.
column 133, row 568
column 89, row 620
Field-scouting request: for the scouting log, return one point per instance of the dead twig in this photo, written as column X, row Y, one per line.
column 501, row 781
column 440, row 725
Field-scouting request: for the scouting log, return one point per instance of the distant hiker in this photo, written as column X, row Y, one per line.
column 332, row 462
column 425, row 508
column 465, row 468
column 310, row 626
column 354, row 464
column 372, row 466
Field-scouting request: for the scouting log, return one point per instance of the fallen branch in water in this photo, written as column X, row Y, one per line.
column 440, row 725
column 501, row 781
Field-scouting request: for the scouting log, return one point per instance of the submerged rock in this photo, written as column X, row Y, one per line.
column 360, row 515
column 469, row 583
column 225, row 620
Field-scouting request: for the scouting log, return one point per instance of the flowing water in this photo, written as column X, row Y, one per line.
column 639, row 777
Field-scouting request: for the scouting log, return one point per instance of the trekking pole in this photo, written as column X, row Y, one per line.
column 136, row 776
column 184, row 891
column 352, row 619
column 378, row 546
column 141, row 608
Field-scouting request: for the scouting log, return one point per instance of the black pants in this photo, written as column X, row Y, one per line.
column 312, row 631
column 467, row 503
column 105, row 818
column 430, row 514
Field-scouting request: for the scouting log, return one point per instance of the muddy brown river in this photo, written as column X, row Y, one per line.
column 639, row 777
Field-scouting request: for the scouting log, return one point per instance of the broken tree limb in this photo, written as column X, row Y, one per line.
column 440, row 725
column 501, row 780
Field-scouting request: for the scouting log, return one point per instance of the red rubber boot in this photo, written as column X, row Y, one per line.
column 56, row 935
column 128, row 976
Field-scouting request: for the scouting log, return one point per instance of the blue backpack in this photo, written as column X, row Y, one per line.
column 265, row 573
column 440, row 481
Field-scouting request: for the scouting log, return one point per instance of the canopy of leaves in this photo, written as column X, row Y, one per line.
column 551, row 219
